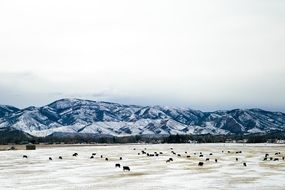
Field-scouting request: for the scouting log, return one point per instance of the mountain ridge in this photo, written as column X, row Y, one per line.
column 106, row 118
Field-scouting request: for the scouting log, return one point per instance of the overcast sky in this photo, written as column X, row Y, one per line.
column 207, row 55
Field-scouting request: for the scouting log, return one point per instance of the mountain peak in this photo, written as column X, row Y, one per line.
column 72, row 115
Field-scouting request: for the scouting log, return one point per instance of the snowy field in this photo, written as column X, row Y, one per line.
column 81, row 172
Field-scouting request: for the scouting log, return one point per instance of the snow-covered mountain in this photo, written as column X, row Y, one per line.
column 77, row 116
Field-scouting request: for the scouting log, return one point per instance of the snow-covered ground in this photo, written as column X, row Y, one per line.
column 81, row 172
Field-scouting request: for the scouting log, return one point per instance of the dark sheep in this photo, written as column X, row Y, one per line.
column 170, row 159
column 216, row 160
column 75, row 154
column 236, row 159
column 179, row 155
column 92, row 157
column 200, row 163
column 266, row 155
column 265, row 158
column 188, row 156
column 271, row 158
column 139, row 153
column 207, row 159
column 185, row 152
column 60, row 157
column 160, row 153
column 283, row 158
column 117, row 165
column 244, row 164
column 101, row 156
column 121, row 158
column 276, row 159
column 211, row 154
column 50, row 158
column 167, row 161
column 25, row 156
column 201, row 155
column 106, row 159
column 93, row 154
column 126, row 168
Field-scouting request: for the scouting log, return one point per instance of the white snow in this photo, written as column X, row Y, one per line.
column 147, row 173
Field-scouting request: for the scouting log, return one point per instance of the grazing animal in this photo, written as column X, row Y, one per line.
column 93, row 154
column 266, row 155
column 185, row 152
column 188, row 156
column 101, row 156
column 121, row 158
column 179, row 155
column 134, row 149
column 200, row 163
column 75, row 154
column 201, row 155
column 271, row 158
column 106, row 159
column 216, row 160
column 207, row 159
column 222, row 151
column 211, row 154
column 50, row 158
column 244, row 164
column 283, row 158
column 236, row 159
column 117, row 165
column 229, row 151
column 276, row 159
column 92, row 157
column 25, row 156
column 265, row 158
column 170, row 159
column 126, row 168
column 194, row 153
column 160, row 153
column 171, row 148
column 167, row 161
column 139, row 153
column 60, row 157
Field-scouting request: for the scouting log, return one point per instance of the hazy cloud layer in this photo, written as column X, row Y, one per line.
column 203, row 54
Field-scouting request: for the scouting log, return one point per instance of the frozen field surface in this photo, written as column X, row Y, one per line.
column 81, row 172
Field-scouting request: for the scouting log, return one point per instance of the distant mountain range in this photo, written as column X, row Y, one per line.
column 76, row 116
